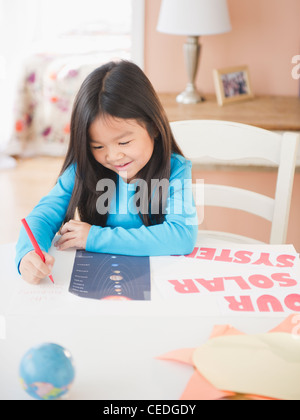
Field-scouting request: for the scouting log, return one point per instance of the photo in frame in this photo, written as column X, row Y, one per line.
column 232, row 84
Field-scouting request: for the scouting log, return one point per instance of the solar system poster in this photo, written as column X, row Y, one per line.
column 110, row 277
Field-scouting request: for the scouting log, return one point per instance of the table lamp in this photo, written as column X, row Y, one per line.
column 193, row 18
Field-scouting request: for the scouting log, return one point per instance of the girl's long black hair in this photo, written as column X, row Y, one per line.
column 120, row 90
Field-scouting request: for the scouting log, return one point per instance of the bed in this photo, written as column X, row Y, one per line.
column 50, row 77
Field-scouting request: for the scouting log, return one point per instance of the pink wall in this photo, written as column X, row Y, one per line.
column 265, row 36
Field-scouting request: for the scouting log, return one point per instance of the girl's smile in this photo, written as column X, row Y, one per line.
column 123, row 167
column 123, row 146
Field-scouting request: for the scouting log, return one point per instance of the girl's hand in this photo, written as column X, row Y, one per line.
column 74, row 235
column 33, row 269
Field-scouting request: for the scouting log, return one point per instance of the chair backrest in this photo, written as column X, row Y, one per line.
column 229, row 141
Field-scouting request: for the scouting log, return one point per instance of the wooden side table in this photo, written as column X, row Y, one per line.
column 279, row 113
column 275, row 113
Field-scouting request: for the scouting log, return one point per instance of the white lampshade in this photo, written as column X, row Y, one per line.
column 194, row 17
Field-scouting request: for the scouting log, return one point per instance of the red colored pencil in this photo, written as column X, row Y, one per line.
column 35, row 244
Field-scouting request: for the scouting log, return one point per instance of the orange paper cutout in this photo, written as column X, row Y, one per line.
column 199, row 388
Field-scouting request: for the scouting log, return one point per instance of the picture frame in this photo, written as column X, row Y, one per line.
column 232, row 84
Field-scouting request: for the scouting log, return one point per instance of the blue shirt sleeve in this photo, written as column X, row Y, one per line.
column 175, row 236
column 47, row 217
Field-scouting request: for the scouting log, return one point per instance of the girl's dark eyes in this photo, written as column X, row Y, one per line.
column 125, row 143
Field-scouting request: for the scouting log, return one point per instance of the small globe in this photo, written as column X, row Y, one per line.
column 47, row 371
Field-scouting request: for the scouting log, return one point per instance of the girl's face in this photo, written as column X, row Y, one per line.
column 123, row 146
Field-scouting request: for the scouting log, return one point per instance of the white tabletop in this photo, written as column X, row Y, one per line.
column 114, row 347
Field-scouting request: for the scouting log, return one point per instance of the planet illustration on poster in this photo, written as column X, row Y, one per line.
column 47, row 371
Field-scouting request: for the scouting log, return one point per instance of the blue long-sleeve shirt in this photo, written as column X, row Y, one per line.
column 125, row 232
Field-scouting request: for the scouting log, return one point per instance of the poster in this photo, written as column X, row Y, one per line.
column 252, row 279
column 110, row 277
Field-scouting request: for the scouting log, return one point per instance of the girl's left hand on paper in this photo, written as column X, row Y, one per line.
column 74, row 234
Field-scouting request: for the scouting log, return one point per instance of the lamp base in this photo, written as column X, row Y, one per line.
column 190, row 96
column 192, row 50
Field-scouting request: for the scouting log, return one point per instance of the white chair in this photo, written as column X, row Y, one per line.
column 228, row 141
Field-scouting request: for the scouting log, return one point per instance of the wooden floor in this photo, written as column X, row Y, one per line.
column 21, row 189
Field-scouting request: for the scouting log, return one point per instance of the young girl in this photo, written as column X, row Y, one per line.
column 121, row 153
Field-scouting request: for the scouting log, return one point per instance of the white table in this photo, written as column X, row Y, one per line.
column 114, row 349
